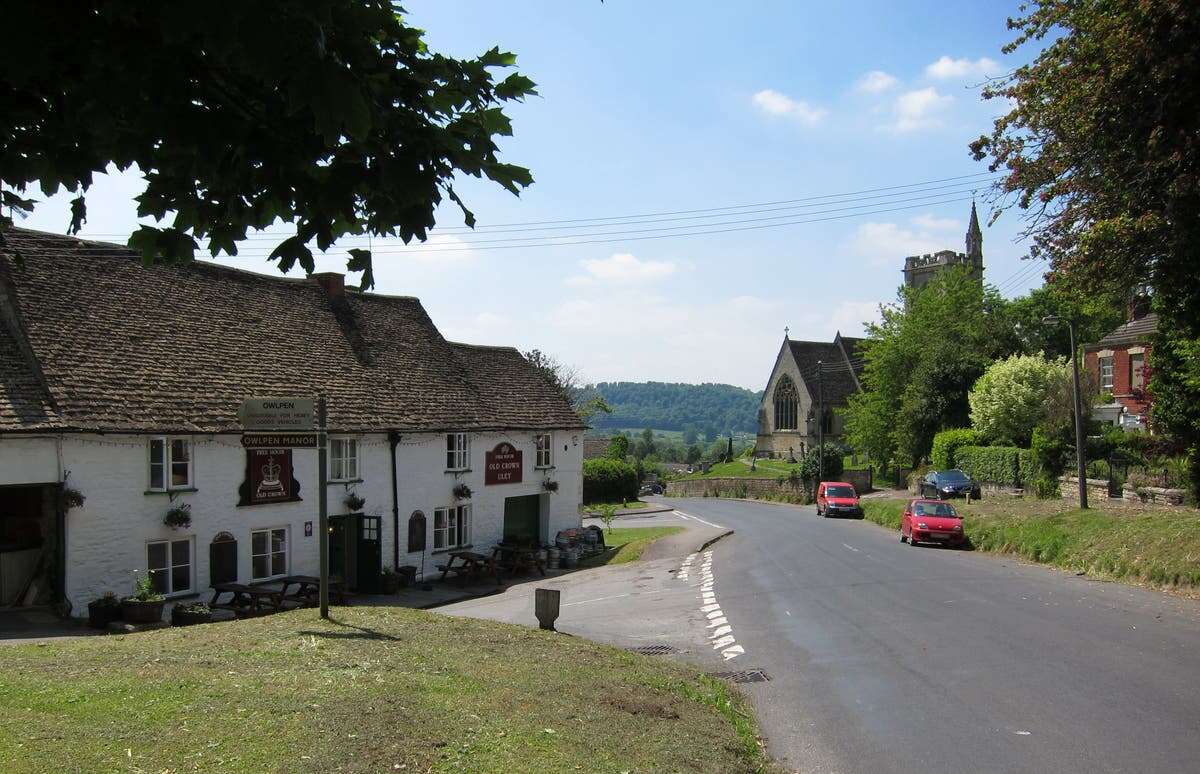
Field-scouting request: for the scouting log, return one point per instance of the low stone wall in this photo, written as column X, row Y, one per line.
column 1097, row 489
column 862, row 480
column 759, row 488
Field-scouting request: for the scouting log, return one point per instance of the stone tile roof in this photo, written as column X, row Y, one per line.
column 839, row 383
column 126, row 347
column 1138, row 331
column 24, row 402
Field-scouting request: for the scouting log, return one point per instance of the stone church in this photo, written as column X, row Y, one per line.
column 920, row 269
column 791, row 408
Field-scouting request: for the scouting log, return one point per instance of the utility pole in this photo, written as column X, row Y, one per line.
column 820, row 422
column 1080, row 449
column 323, row 505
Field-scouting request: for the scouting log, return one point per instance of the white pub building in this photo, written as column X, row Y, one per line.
column 120, row 440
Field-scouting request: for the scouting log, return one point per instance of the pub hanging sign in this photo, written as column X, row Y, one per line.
column 503, row 465
column 269, row 478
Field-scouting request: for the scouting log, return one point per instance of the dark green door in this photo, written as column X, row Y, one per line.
column 369, row 554
column 521, row 519
column 338, row 560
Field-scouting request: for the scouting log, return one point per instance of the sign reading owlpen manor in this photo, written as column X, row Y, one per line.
column 503, row 465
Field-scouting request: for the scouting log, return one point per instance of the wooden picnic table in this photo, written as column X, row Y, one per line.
column 472, row 566
column 247, row 600
column 518, row 559
column 308, row 589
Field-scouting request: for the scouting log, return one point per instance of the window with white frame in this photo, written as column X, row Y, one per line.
column 343, row 459
column 268, row 553
column 170, row 464
column 1106, row 373
column 451, row 527
column 458, row 451
column 545, row 450
column 169, row 563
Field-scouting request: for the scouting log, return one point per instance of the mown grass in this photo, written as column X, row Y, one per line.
column 628, row 505
column 626, row 544
column 378, row 689
column 1160, row 547
column 740, row 468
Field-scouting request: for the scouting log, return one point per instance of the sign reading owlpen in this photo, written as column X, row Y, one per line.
column 285, row 414
column 503, row 465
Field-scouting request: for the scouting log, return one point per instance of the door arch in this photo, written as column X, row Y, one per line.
column 222, row 559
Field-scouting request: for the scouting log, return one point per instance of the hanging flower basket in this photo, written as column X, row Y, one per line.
column 179, row 517
column 550, row 486
column 354, row 503
column 462, row 492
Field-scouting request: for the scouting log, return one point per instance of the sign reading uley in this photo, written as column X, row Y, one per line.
column 289, row 414
column 503, row 465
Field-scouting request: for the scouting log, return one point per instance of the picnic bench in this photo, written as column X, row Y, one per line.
column 308, row 589
column 471, row 566
column 518, row 559
column 247, row 600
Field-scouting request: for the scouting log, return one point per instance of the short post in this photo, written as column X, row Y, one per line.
column 545, row 607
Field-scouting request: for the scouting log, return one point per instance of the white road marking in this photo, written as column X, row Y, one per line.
column 852, row 548
column 733, row 652
column 721, row 631
column 717, row 622
column 721, row 637
column 1022, row 733
column 710, row 608
column 597, row 599
column 683, row 515
column 714, row 614
column 724, row 642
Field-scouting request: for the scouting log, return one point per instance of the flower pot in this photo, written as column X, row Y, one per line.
column 138, row 612
column 390, row 583
column 100, row 615
column 181, row 617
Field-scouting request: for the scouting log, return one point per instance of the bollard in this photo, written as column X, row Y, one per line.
column 545, row 607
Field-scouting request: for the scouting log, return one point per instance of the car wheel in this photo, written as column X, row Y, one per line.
column 912, row 541
column 902, row 538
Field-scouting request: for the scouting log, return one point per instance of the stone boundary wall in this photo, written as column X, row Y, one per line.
column 765, row 488
column 1097, row 489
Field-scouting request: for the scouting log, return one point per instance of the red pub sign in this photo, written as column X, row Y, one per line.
column 503, row 465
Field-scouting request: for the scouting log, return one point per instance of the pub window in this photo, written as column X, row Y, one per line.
column 1106, row 373
column 170, row 464
column 451, row 527
column 169, row 563
column 1137, row 371
column 343, row 459
column 545, row 450
column 268, row 553
column 458, row 451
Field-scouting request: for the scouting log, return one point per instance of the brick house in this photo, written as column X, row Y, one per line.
column 1117, row 364
column 122, row 381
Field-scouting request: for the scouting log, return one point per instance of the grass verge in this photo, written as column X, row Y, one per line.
column 378, row 689
column 1141, row 545
column 631, row 505
column 626, row 544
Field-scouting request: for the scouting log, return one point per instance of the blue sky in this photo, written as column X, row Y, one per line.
column 669, row 106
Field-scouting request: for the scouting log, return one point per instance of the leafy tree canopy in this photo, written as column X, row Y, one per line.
column 330, row 114
column 710, row 408
column 1013, row 397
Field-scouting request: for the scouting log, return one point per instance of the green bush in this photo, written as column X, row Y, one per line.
column 947, row 442
column 609, row 481
column 811, row 465
column 999, row 465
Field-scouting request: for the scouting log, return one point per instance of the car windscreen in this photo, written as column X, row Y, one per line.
column 953, row 477
column 936, row 509
column 839, row 491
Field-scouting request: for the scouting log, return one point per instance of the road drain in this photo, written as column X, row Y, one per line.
column 744, row 676
column 655, row 650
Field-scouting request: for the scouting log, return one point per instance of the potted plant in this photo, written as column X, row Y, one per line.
column 550, row 485
column 190, row 613
column 103, row 611
column 71, row 498
column 179, row 517
column 390, row 581
column 462, row 492
column 354, row 503
column 145, row 605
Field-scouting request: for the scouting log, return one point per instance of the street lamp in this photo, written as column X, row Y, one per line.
column 1080, row 451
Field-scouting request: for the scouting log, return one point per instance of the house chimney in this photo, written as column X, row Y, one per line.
column 333, row 283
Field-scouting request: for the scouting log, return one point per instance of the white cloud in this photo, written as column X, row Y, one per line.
column 621, row 268
column 947, row 68
column 875, row 82
column 919, row 109
column 774, row 103
column 934, row 223
column 887, row 244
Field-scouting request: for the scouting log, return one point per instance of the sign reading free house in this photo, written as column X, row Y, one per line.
column 294, row 414
column 503, row 465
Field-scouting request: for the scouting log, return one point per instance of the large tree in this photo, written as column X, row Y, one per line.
column 1102, row 150
column 329, row 114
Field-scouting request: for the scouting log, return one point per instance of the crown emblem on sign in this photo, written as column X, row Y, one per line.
column 270, row 485
column 271, row 471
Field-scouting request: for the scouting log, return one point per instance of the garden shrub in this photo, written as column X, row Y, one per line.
column 999, row 465
column 947, row 442
column 609, row 481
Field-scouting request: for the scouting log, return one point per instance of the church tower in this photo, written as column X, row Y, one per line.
column 975, row 241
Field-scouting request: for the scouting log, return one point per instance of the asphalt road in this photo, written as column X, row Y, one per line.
column 887, row 658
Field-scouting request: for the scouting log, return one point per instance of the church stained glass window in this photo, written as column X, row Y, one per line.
column 786, row 404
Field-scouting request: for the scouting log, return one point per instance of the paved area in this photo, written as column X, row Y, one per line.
column 18, row 626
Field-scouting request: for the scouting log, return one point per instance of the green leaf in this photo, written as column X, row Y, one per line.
column 360, row 260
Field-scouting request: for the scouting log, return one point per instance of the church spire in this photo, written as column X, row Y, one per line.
column 975, row 238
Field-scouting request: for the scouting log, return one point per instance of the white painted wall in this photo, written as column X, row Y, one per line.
column 106, row 537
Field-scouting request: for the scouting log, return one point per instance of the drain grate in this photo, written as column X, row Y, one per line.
column 655, row 650
column 744, row 676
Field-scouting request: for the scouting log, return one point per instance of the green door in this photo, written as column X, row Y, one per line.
column 339, row 564
column 369, row 554
column 521, row 519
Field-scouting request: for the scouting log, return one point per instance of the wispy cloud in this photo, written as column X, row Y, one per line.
column 621, row 268
column 948, row 68
column 887, row 243
column 875, row 82
column 934, row 223
column 775, row 103
column 919, row 109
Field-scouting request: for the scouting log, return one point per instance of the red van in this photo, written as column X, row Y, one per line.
column 837, row 498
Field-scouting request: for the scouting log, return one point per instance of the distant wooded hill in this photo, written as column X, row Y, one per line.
column 707, row 408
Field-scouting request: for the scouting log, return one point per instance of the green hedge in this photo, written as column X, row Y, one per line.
column 609, row 481
column 999, row 465
column 947, row 443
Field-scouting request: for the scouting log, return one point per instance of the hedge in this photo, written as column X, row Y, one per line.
column 946, row 444
column 609, row 481
column 999, row 465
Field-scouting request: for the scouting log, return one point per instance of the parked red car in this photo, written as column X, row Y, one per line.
column 931, row 521
column 837, row 498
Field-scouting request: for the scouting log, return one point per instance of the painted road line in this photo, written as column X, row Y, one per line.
column 683, row 515
column 721, row 638
column 597, row 599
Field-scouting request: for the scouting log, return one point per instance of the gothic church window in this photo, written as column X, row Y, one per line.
column 786, row 405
